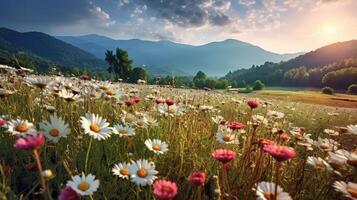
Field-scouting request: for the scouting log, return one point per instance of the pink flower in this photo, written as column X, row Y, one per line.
column 68, row 193
column 280, row 153
column 2, row 122
column 235, row 125
column 170, row 102
column 30, row 142
column 159, row 101
column 253, row 103
column 224, row 155
column 136, row 99
column 197, row 178
column 302, row 129
column 130, row 102
column 165, row 190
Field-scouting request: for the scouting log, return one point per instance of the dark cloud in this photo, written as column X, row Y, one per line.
column 190, row 13
column 44, row 14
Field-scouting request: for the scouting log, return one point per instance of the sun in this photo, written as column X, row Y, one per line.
column 329, row 30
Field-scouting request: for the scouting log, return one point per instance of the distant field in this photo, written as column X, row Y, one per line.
column 314, row 97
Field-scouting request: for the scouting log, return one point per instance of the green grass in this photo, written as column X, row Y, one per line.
column 191, row 139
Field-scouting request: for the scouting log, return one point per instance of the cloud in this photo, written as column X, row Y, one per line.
column 43, row 15
column 247, row 2
column 190, row 13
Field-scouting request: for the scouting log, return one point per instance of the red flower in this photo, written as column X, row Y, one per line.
column 2, row 122
column 136, row 99
column 68, row 194
column 224, row 155
column 159, row 101
column 280, row 153
column 170, row 101
column 30, row 142
column 197, row 178
column 165, row 190
column 253, row 103
column 130, row 102
column 235, row 125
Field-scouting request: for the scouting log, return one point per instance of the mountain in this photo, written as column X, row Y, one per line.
column 215, row 59
column 310, row 69
column 48, row 47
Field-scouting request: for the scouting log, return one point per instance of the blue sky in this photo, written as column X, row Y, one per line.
column 276, row 25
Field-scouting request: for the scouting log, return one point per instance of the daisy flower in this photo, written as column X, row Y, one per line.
column 128, row 118
column 275, row 114
column 326, row 144
column 140, row 122
column 266, row 191
column 55, row 128
column 40, row 82
column 352, row 129
column 20, row 127
column 142, row 172
column 318, row 163
column 121, row 170
column 336, row 160
column 68, row 95
column 348, row 189
column 225, row 136
column 157, row 146
column 84, row 185
column 123, row 130
column 95, row 126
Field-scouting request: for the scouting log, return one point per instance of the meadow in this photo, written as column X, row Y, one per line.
column 69, row 138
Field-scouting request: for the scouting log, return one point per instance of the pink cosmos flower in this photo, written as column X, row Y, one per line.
column 197, row 178
column 68, row 193
column 30, row 142
column 224, row 155
column 165, row 190
column 280, row 153
column 253, row 103
column 170, row 101
column 235, row 125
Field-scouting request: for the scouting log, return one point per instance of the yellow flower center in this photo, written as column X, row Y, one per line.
column 123, row 131
column 22, row 128
column 84, row 186
column 156, row 147
column 227, row 138
column 170, row 110
column 124, row 171
column 270, row 196
column 54, row 132
column 353, row 192
column 40, row 85
column 128, row 120
column 110, row 92
column 319, row 164
column 94, row 128
column 324, row 146
column 104, row 87
column 142, row 173
column 140, row 123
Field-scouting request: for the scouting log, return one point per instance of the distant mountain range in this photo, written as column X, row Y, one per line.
column 166, row 57
column 306, row 70
column 43, row 47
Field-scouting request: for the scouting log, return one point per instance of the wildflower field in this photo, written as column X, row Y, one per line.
column 69, row 138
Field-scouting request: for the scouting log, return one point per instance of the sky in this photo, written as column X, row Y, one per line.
column 282, row 26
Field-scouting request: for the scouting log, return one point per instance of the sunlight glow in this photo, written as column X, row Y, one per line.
column 329, row 30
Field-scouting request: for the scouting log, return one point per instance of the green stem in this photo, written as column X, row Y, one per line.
column 87, row 155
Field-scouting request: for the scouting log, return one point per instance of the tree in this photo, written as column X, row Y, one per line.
column 258, row 85
column 200, row 79
column 138, row 73
column 119, row 63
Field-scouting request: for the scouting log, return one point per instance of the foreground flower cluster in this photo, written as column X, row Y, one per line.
column 116, row 141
